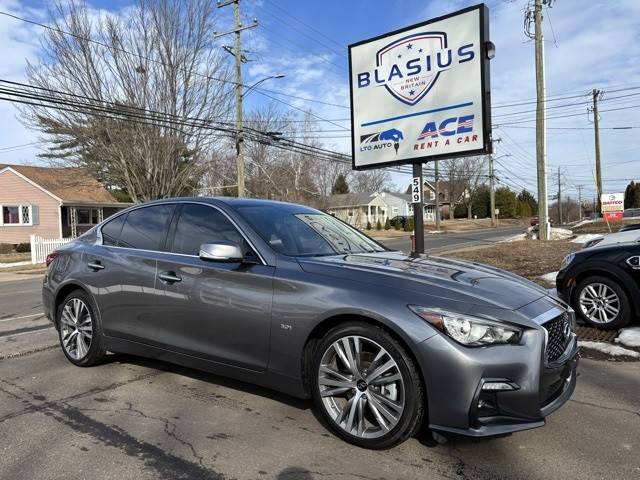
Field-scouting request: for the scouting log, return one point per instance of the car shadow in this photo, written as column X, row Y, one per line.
column 207, row 377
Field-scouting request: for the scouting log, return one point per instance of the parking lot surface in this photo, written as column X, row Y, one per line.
column 132, row 418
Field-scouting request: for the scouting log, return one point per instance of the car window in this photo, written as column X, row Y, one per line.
column 200, row 224
column 306, row 234
column 111, row 230
column 146, row 228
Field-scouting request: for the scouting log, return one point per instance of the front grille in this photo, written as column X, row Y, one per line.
column 557, row 338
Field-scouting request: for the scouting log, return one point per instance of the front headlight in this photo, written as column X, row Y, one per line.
column 467, row 330
column 567, row 260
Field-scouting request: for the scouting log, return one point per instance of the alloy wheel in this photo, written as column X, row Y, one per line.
column 361, row 387
column 76, row 328
column 599, row 303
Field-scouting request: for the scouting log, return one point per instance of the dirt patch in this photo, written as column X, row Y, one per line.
column 14, row 257
column 465, row 225
column 527, row 258
column 601, row 227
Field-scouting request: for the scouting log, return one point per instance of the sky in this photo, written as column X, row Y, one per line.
column 588, row 45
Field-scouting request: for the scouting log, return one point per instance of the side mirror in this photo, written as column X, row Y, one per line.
column 221, row 252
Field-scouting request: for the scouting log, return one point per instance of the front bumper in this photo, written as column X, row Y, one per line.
column 454, row 376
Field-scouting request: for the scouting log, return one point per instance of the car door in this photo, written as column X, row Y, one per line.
column 122, row 271
column 215, row 310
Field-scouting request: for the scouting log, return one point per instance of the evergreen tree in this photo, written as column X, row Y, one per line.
column 387, row 224
column 378, row 225
column 408, row 225
column 368, row 225
column 340, row 186
column 506, row 202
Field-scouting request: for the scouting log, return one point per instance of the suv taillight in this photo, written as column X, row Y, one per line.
column 51, row 257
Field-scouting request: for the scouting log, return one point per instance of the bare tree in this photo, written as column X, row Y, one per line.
column 154, row 67
column 377, row 180
column 460, row 177
column 470, row 175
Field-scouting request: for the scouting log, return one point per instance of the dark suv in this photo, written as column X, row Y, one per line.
column 288, row 297
column 602, row 283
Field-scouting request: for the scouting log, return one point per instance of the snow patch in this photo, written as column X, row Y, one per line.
column 14, row 264
column 515, row 238
column 609, row 349
column 582, row 222
column 560, row 233
column 585, row 237
column 629, row 337
column 549, row 277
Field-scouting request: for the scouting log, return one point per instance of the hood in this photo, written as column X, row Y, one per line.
column 441, row 277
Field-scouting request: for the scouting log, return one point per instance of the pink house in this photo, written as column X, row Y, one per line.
column 50, row 202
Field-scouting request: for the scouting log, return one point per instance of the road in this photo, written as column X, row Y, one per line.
column 132, row 418
column 441, row 242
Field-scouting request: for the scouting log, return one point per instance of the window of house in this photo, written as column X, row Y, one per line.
column 16, row 215
column 86, row 216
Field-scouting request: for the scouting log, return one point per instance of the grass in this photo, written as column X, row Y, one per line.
column 527, row 258
column 14, row 257
column 601, row 227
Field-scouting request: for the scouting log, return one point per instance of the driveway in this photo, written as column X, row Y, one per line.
column 132, row 418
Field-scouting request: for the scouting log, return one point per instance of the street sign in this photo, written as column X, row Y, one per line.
column 416, row 190
column 612, row 206
column 422, row 93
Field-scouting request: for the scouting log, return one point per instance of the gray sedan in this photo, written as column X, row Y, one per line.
column 293, row 299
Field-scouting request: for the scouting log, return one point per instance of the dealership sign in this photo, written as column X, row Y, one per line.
column 612, row 206
column 421, row 93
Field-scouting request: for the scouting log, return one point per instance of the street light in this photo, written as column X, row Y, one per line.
column 239, row 131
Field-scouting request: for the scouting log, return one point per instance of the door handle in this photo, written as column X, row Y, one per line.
column 169, row 277
column 95, row 265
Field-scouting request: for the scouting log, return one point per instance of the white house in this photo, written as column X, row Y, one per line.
column 358, row 208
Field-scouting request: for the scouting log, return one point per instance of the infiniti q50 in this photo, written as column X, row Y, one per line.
column 293, row 299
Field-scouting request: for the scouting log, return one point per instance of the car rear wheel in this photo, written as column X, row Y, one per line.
column 366, row 386
column 602, row 303
column 78, row 330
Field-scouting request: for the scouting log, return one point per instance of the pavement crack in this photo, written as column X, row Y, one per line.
column 164, row 464
column 613, row 409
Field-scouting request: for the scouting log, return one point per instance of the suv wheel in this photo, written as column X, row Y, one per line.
column 366, row 387
column 78, row 330
column 602, row 303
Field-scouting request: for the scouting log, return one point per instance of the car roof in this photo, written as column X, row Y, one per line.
column 235, row 202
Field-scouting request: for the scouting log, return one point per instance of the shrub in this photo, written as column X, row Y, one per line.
column 387, row 225
column 24, row 247
column 6, row 248
column 398, row 224
column 378, row 225
column 408, row 225
column 368, row 225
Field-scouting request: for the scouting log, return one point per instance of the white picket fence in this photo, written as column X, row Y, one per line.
column 41, row 247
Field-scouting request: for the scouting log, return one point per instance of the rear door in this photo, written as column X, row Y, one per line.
column 123, row 271
column 218, row 311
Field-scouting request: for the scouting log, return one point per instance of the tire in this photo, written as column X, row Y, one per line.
column 348, row 402
column 595, row 300
column 87, row 339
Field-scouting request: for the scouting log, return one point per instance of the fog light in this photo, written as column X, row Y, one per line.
column 498, row 387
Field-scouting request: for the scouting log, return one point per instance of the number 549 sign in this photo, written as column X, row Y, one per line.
column 416, row 190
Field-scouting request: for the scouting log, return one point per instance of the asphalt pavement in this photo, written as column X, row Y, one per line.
column 132, row 418
column 441, row 242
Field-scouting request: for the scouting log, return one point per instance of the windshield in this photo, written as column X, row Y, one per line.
column 306, row 234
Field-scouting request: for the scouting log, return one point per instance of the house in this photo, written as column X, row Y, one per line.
column 358, row 208
column 50, row 202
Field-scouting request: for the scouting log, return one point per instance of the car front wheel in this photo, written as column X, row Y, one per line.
column 367, row 387
column 602, row 303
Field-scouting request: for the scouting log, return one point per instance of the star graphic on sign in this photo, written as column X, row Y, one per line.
column 409, row 46
column 411, row 92
column 420, row 51
column 399, row 56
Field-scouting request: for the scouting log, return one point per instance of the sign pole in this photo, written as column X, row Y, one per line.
column 418, row 212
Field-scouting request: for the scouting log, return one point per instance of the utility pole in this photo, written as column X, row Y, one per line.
column 596, row 131
column 540, row 125
column 579, row 187
column 437, row 192
column 237, row 53
column 559, row 198
column 418, row 213
column 492, row 192
column 492, row 184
